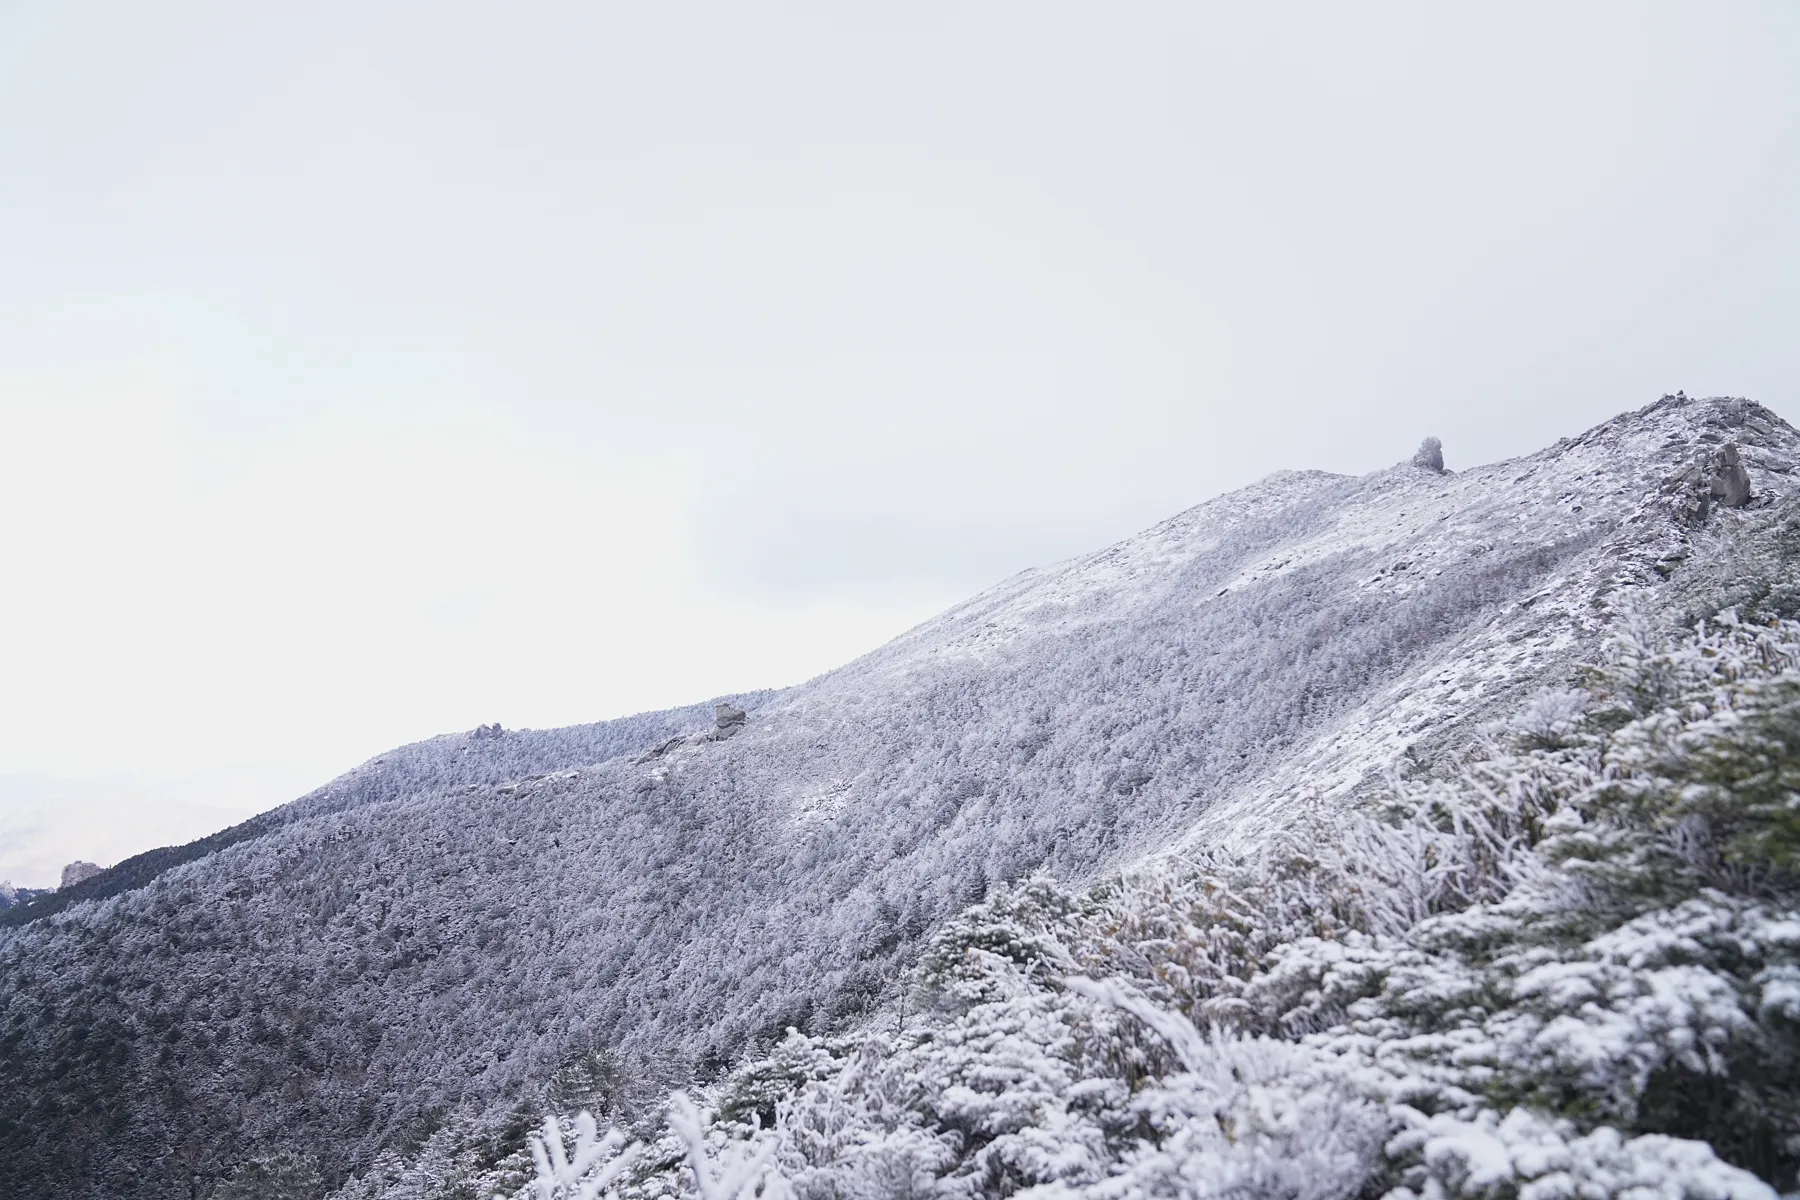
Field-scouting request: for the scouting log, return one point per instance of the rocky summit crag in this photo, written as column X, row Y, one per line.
column 448, row 940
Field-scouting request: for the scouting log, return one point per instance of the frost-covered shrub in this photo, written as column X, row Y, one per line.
column 1527, row 1156
column 588, row 1165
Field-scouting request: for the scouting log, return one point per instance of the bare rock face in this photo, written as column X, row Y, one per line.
column 1430, row 455
column 75, row 872
column 1727, row 479
column 1716, row 477
column 728, row 719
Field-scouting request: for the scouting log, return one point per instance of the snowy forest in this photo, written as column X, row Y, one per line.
column 1427, row 834
column 1570, row 969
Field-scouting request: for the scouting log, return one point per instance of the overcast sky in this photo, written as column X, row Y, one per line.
column 371, row 370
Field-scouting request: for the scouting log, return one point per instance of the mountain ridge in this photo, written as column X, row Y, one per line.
column 389, row 960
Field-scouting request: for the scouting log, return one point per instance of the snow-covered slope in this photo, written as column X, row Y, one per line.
column 385, row 959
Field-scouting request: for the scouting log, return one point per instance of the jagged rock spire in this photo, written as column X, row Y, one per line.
column 1430, row 455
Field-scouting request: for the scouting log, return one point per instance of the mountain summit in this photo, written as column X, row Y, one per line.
column 443, row 938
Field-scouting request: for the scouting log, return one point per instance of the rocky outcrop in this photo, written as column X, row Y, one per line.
column 728, row 721
column 1727, row 480
column 75, row 872
column 1430, row 455
column 657, row 751
column 1716, row 477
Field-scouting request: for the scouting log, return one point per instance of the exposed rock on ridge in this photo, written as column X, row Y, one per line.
column 76, row 872
column 1430, row 455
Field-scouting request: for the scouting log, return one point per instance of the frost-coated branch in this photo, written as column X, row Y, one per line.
column 561, row 1176
column 1173, row 1028
column 744, row 1173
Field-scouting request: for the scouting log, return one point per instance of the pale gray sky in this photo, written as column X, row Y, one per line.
column 369, row 370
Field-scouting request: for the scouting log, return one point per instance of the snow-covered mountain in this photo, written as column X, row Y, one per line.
column 446, row 936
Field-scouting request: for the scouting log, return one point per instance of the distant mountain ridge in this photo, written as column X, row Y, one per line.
column 448, row 761
column 10, row 895
column 428, row 941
